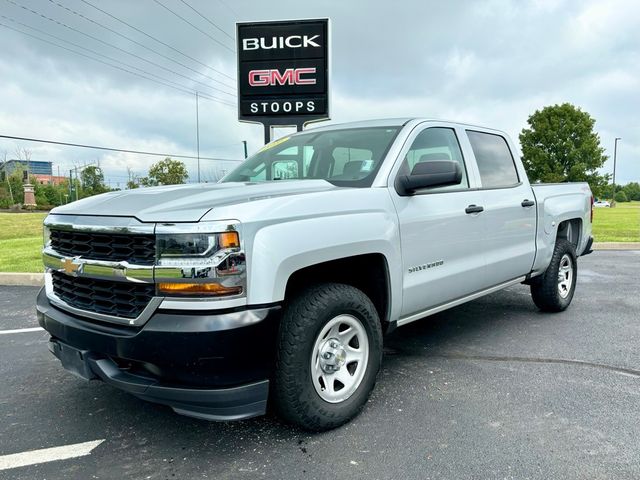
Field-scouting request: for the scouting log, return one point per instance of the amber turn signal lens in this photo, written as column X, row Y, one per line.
column 198, row 289
column 229, row 240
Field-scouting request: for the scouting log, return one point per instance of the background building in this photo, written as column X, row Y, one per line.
column 42, row 171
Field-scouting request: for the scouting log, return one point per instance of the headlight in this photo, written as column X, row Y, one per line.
column 201, row 263
column 197, row 247
column 186, row 245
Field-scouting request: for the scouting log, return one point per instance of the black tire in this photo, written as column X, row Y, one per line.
column 544, row 289
column 305, row 316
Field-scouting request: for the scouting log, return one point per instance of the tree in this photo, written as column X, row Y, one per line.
column 560, row 145
column 621, row 196
column 632, row 190
column 132, row 179
column 6, row 198
column 14, row 181
column 49, row 195
column 23, row 154
column 92, row 181
column 15, row 184
column 166, row 172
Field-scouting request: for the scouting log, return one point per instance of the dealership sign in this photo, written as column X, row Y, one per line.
column 283, row 72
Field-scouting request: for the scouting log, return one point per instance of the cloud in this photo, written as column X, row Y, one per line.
column 461, row 65
column 601, row 26
column 491, row 63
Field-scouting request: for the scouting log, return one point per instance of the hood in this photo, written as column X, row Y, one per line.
column 185, row 203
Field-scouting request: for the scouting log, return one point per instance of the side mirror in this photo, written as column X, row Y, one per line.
column 429, row 174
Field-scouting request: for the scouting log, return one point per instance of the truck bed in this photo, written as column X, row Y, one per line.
column 555, row 203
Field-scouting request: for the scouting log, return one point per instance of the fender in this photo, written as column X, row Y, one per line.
column 281, row 249
column 552, row 211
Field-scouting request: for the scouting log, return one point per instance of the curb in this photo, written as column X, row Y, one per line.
column 617, row 246
column 22, row 279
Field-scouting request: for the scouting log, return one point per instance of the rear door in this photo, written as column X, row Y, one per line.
column 509, row 209
column 442, row 244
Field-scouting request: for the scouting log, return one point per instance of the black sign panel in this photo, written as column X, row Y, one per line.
column 283, row 71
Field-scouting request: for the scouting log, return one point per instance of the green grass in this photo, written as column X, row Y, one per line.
column 619, row 224
column 21, row 242
column 21, row 234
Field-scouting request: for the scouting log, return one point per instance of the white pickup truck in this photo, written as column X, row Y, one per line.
column 278, row 283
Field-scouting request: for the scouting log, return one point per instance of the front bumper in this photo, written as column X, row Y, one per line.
column 202, row 365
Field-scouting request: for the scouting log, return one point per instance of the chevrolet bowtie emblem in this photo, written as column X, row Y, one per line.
column 69, row 267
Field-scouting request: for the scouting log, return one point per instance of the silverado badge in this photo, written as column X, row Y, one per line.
column 425, row 266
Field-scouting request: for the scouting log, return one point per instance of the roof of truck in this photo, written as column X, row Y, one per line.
column 380, row 122
column 387, row 122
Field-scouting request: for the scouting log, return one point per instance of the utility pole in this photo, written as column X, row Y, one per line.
column 615, row 154
column 73, row 188
column 71, row 184
column 198, row 135
column 244, row 142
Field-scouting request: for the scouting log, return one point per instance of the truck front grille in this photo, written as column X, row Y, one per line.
column 120, row 299
column 136, row 249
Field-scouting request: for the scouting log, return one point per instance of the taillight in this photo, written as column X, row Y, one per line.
column 591, row 212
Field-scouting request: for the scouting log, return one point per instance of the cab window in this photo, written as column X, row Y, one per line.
column 432, row 145
column 495, row 162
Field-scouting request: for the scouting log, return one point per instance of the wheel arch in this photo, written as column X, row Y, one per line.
column 570, row 230
column 367, row 272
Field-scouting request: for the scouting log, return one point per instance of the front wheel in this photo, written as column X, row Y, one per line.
column 553, row 291
column 329, row 354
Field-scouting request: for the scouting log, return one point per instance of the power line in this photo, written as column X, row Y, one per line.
column 212, row 23
column 224, row 4
column 84, row 17
column 79, row 145
column 161, row 80
column 159, row 41
column 115, row 46
column 197, row 28
column 95, row 59
column 208, row 97
column 183, row 90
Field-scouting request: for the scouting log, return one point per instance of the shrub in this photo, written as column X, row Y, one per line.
column 621, row 197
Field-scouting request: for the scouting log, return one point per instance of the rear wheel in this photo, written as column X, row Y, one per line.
column 553, row 291
column 329, row 354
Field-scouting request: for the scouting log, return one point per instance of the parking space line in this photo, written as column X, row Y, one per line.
column 21, row 330
column 34, row 457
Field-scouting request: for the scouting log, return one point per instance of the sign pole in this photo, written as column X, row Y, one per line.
column 267, row 133
column 198, row 135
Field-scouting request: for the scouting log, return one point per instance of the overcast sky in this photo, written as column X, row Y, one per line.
column 492, row 63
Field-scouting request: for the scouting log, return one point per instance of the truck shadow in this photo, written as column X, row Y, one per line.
column 455, row 329
column 467, row 325
column 133, row 426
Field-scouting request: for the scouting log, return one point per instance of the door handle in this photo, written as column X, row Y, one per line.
column 528, row 203
column 474, row 209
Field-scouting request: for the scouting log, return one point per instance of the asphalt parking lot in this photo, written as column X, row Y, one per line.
column 491, row 389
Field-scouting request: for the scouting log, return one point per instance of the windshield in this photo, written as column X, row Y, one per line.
column 346, row 158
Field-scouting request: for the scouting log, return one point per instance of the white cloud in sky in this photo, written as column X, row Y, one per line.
column 491, row 63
